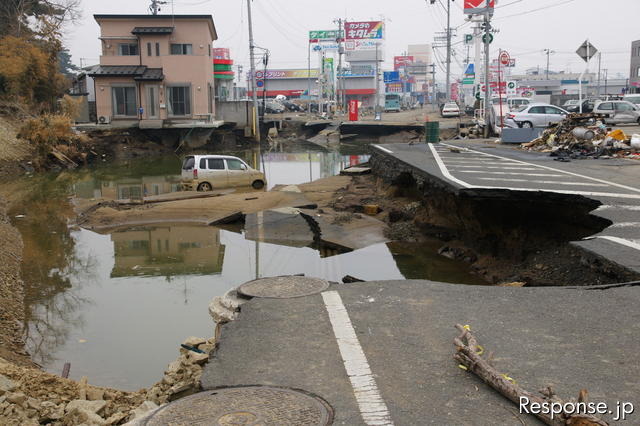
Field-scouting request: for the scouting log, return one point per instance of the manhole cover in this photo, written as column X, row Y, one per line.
column 283, row 287
column 250, row 406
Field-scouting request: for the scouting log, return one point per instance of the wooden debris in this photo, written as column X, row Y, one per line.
column 468, row 354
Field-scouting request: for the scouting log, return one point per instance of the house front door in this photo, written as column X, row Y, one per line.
column 153, row 105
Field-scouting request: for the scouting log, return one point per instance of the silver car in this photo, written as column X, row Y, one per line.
column 617, row 112
column 535, row 115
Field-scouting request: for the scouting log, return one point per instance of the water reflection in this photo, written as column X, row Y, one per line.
column 167, row 250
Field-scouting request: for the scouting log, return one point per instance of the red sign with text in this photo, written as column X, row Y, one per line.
column 353, row 110
column 402, row 61
column 477, row 7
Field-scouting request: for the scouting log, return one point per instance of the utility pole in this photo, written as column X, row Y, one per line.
column 154, row 8
column 256, row 119
column 309, row 77
column 599, row 69
column 377, row 83
column 548, row 52
column 487, row 91
column 448, row 46
column 434, row 95
column 340, row 93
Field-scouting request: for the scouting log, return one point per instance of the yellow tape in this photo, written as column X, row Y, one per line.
column 481, row 351
column 463, row 367
column 467, row 327
column 511, row 379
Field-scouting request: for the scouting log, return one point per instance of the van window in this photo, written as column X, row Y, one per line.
column 606, row 106
column 234, row 164
column 203, row 163
column 188, row 163
column 215, row 163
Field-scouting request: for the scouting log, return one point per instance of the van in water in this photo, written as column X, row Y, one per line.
column 208, row 172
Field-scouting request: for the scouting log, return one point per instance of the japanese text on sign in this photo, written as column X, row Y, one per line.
column 363, row 30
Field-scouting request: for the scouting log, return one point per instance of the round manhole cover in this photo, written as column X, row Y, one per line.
column 283, row 287
column 249, row 405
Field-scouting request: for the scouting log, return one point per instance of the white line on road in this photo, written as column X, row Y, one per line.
column 625, row 225
column 545, row 182
column 372, row 407
column 508, row 173
column 388, row 151
column 445, row 172
column 621, row 241
column 620, row 207
column 561, row 171
column 514, row 167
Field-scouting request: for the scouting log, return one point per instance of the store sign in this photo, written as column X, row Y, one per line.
column 221, row 53
column 364, row 30
column 394, row 88
column 402, row 61
column 326, row 47
column 478, row 7
column 329, row 35
column 282, row 74
column 355, row 45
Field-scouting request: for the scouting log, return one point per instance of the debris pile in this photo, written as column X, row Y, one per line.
column 585, row 136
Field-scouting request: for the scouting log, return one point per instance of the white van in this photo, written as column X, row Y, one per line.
column 634, row 98
column 208, row 172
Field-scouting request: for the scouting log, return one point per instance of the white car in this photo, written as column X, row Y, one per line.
column 634, row 98
column 616, row 112
column 535, row 115
column 450, row 109
column 208, row 172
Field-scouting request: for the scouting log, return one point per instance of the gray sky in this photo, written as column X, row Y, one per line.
column 282, row 25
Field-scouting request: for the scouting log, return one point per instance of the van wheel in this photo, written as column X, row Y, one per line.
column 205, row 187
column 257, row 184
column 527, row 125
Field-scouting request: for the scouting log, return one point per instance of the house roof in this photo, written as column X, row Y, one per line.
column 150, row 74
column 152, row 30
column 117, row 71
column 170, row 18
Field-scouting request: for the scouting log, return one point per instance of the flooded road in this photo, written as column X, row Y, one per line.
column 117, row 306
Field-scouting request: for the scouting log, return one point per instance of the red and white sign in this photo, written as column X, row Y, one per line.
column 353, row 110
column 504, row 58
column 478, row 7
column 363, row 30
column 401, row 62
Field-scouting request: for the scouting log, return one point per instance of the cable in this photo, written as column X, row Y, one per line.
column 534, row 10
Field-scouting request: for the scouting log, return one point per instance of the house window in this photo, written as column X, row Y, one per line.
column 127, row 49
column 181, row 49
column 157, row 49
column 149, row 53
column 124, row 101
column 180, row 100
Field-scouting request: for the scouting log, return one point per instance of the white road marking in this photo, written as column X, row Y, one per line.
column 546, row 182
column 384, row 149
column 508, row 173
column 445, row 172
column 372, row 407
column 619, row 207
column 621, row 241
column 514, row 167
column 562, row 171
column 625, row 225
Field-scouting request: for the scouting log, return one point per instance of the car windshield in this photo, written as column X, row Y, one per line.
column 521, row 108
column 633, row 99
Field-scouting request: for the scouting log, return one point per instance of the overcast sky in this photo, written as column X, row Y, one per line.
column 281, row 26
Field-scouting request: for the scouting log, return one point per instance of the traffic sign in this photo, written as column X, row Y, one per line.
column 260, row 83
column 468, row 38
column 259, row 74
column 504, row 58
column 484, row 38
column 586, row 51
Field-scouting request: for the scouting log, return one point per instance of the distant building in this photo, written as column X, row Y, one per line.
column 634, row 74
column 292, row 83
column 155, row 70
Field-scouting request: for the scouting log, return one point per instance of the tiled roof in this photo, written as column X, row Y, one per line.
column 151, row 74
column 137, row 72
column 117, row 70
column 152, row 30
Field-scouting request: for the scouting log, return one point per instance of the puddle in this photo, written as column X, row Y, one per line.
column 117, row 306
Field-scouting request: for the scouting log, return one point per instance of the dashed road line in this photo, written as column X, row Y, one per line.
column 629, row 243
column 372, row 407
column 625, row 225
column 388, row 151
column 618, row 207
column 508, row 173
column 545, row 182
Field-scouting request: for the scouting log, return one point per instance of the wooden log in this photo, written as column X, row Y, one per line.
column 468, row 355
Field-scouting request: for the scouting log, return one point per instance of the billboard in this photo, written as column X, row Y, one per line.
column 478, row 7
column 402, row 61
column 364, row 30
column 221, row 53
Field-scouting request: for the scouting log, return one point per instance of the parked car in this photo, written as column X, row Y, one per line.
column 617, row 112
column 535, row 115
column 290, row 106
column 271, row 107
column 208, row 172
column 450, row 109
column 570, row 103
column 634, row 98
column 587, row 106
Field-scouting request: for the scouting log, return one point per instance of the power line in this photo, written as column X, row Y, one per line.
column 535, row 10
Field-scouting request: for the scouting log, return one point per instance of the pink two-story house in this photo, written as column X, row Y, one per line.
column 155, row 70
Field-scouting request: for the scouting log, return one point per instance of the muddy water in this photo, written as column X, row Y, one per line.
column 117, row 306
